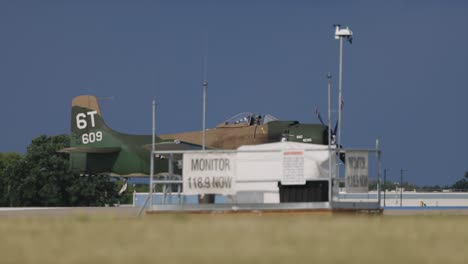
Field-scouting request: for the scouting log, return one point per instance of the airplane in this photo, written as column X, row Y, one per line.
column 96, row 149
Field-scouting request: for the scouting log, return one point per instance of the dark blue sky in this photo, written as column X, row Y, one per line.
column 405, row 77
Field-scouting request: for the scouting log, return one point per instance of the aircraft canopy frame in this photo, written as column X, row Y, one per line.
column 247, row 119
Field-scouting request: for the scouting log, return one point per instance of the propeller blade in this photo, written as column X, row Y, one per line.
column 317, row 112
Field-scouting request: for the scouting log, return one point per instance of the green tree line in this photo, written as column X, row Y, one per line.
column 459, row 186
column 42, row 177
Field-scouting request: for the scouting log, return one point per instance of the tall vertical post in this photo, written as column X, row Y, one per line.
column 205, row 84
column 401, row 187
column 379, row 170
column 170, row 178
column 207, row 198
column 384, row 180
column 330, row 187
column 341, row 33
column 340, row 85
column 329, row 109
column 153, row 139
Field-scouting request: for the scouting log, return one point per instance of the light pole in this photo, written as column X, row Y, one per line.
column 340, row 34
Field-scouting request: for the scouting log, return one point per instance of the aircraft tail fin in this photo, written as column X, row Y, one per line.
column 87, row 125
column 94, row 147
column 86, row 114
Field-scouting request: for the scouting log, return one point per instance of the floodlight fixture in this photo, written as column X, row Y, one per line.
column 343, row 33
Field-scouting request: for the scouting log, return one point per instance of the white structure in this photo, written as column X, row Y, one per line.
column 261, row 167
column 275, row 177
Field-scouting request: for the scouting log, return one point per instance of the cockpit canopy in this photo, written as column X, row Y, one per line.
column 247, row 119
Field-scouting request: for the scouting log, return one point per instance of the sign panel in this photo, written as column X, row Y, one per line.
column 293, row 168
column 357, row 171
column 209, row 173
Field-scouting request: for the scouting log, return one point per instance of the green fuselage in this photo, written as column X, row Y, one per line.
column 97, row 149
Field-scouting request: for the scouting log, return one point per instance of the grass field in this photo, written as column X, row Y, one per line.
column 231, row 238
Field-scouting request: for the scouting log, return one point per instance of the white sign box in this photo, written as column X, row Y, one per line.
column 357, row 171
column 209, row 173
column 293, row 167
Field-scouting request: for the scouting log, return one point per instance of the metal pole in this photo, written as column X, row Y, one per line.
column 340, row 85
column 209, row 198
column 153, row 139
column 150, row 194
column 340, row 99
column 329, row 109
column 379, row 170
column 401, row 187
column 205, row 84
column 330, row 187
column 384, row 180
column 171, row 176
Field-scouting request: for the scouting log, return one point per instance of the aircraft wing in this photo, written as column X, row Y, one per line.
column 173, row 145
column 101, row 150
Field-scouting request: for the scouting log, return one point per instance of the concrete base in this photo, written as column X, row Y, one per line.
column 268, row 208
